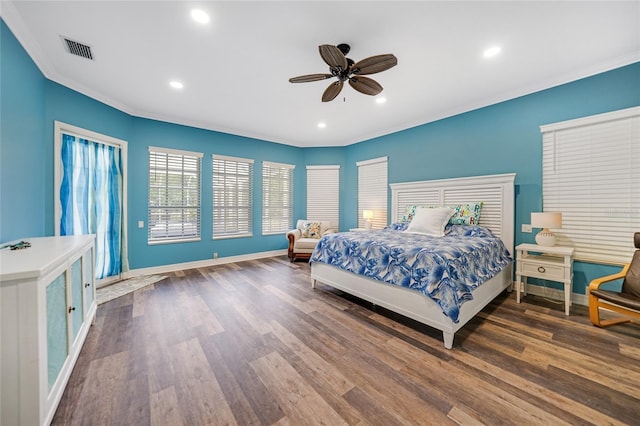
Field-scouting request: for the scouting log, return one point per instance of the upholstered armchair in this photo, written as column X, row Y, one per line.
column 626, row 301
column 305, row 237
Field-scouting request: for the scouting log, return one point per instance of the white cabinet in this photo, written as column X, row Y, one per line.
column 47, row 301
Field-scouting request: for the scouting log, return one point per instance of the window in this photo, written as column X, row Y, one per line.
column 323, row 194
column 232, row 183
column 591, row 174
column 174, row 195
column 372, row 191
column 277, row 197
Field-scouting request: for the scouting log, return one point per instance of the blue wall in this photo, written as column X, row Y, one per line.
column 501, row 138
column 22, row 141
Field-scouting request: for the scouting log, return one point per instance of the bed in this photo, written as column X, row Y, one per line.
column 496, row 192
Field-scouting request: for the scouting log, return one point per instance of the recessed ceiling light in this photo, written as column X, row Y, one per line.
column 381, row 100
column 200, row 16
column 322, row 125
column 176, row 84
column 492, row 51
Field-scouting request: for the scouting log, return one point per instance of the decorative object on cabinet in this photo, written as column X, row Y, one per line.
column 47, row 297
column 547, row 263
column 626, row 301
column 546, row 221
column 17, row 246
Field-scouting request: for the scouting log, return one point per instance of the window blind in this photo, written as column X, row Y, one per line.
column 323, row 194
column 591, row 174
column 372, row 191
column 174, row 195
column 277, row 197
column 232, row 196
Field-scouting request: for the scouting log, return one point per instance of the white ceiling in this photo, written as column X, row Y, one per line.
column 235, row 69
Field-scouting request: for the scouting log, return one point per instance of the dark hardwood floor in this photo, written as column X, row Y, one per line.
column 253, row 343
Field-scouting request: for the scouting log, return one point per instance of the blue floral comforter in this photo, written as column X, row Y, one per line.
column 446, row 269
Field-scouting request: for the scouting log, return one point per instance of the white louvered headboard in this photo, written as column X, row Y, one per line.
column 495, row 191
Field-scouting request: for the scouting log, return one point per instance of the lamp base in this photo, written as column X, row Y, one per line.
column 545, row 238
column 367, row 224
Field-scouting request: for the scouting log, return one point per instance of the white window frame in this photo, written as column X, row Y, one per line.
column 323, row 194
column 373, row 191
column 180, row 237
column 277, row 197
column 230, row 218
column 591, row 174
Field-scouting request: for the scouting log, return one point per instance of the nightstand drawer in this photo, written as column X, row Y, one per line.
column 537, row 270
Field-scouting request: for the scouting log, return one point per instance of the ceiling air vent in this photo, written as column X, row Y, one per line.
column 77, row 48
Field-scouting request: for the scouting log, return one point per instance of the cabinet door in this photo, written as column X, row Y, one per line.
column 75, row 306
column 87, row 271
column 57, row 339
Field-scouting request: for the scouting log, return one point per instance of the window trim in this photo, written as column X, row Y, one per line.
column 333, row 176
column 581, row 227
column 375, row 205
column 183, row 153
column 250, row 162
column 291, row 168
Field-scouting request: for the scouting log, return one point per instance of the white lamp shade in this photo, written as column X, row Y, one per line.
column 367, row 214
column 546, row 220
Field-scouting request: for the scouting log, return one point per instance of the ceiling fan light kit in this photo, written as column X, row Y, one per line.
column 345, row 69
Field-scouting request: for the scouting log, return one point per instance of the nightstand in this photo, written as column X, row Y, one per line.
column 359, row 229
column 546, row 263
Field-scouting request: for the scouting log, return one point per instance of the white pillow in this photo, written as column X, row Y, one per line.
column 430, row 221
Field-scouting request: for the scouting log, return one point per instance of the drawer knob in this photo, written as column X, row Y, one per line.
column 72, row 308
column 541, row 269
column 87, row 285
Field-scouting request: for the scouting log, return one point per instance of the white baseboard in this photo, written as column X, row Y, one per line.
column 556, row 294
column 201, row 263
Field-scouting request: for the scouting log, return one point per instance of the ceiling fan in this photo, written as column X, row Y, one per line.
column 346, row 69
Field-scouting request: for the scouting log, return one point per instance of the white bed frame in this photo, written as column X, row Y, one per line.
column 497, row 194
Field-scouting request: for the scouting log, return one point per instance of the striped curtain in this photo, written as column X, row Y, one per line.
column 91, row 199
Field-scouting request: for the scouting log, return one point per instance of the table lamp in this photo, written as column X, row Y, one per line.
column 367, row 215
column 546, row 220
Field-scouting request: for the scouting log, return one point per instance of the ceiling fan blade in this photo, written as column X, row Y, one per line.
column 332, row 91
column 309, row 77
column 374, row 64
column 333, row 56
column 365, row 85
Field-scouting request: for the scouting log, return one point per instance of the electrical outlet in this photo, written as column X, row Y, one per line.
column 141, row 224
column 526, row 228
column 215, row 255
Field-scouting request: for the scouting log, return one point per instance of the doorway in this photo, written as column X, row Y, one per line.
column 90, row 197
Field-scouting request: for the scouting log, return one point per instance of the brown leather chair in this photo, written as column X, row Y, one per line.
column 626, row 301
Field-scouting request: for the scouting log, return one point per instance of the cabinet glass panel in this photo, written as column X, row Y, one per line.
column 57, row 345
column 76, row 297
column 87, row 270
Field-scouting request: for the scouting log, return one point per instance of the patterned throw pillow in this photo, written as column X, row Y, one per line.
column 410, row 212
column 311, row 230
column 466, row 214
